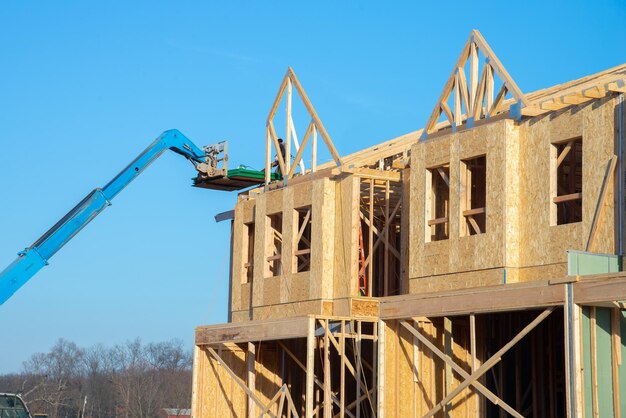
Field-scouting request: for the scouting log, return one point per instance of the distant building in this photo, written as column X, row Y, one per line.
column 177, row 413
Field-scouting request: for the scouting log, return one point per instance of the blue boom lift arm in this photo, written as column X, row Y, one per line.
column 35, row 257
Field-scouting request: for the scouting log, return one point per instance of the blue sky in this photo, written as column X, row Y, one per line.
column 85, row 86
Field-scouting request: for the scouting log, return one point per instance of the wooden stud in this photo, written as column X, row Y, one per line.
column 488, row 87
column 616, row 357
column 370, row 268
column 288, row 130
column 268, row 156
column 458, row 113
column 358, row 369
column 387, row 246
column 310, row 367
column 251, row 364
column 327, row 381
column 473, row 78
column 462, row 86
column 342, row 372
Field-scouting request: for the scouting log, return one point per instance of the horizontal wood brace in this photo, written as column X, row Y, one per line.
column 472, row 212
column 567, row 197
column 437, row 221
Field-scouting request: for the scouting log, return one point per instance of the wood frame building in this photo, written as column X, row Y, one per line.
column 471, row 268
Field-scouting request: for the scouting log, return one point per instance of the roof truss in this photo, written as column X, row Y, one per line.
column 287, row 166
column 469, row 98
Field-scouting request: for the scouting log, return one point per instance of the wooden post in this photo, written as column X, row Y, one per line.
column 314, row 150
column 310, row 367
column 594, row 363
column 447, row 343
column 386, row 235
column 370, row 268
column 616, row 357
column 474, row 364
column 288, row 132
column 342, row 373
column 358, row 368
column 327, row 388
column 268, row 156
column 251, row 363
column 381, row 369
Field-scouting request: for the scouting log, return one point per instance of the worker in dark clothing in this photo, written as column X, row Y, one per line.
column 281, row 149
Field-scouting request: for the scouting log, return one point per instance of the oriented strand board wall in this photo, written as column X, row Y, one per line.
column 292, row 293
column 346, row 236
column 467, row 254
column 542, row 244
column 415, row 378
column 217, row 395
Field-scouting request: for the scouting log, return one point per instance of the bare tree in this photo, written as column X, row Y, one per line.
column 130, row 380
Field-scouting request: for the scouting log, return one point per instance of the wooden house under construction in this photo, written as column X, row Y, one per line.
column 472, row 268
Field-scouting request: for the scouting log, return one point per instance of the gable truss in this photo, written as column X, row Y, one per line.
column 286, row 165
column 474, row 95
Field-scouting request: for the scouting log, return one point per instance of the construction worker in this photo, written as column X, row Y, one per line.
column 281, row 149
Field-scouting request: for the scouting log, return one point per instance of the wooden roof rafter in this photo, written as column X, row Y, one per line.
column 473, row 95
column 315, row 126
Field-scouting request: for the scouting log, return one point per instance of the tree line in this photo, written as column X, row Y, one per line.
column 130, row 380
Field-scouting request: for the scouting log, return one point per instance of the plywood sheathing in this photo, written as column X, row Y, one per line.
column 544, row 244
column 289, row 292
column 475, row 253
column 346, row 236
column 219, row 394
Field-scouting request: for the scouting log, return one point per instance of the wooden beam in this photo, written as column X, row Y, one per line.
column 263, row 330
column 288, row 131
column 480, row 94
column 279, row 96
column 300, row 152
column 473, row 87
column 342, row 371
column 437, row 221
column 564, row 153
column 448, row 112
column 475, row 211
column 498, row 101
column 462, row 86
column 474, row 224
column 443, row 175
column 567, row 197
column 513, row 296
